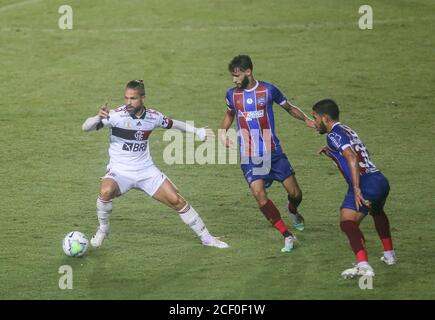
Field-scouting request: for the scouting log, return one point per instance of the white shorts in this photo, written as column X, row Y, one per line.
column 148, row 179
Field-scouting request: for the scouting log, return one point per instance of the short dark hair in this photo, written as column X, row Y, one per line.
column 136, row 85
column 327, row 106
column 242, row 62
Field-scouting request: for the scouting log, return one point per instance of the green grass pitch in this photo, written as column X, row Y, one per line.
column 52, row 80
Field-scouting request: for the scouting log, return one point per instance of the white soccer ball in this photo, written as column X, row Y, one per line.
column 75, row 244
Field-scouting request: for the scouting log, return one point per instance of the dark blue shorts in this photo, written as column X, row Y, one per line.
column 374, row 187
column 278, row 168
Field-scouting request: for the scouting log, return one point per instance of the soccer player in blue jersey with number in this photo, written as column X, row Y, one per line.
column 368, row 187
column 261, row 156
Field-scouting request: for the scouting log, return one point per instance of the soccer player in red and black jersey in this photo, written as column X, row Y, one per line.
column 131, row 167
column 262, row 158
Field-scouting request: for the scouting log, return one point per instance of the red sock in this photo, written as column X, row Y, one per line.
column 272, row 214
column 356, row 239
column 382, row 226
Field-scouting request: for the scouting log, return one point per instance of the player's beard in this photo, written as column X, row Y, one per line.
column 322, row 128
column 135, row 110
column 245, row 82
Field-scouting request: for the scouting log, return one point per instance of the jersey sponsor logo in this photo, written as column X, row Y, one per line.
column 335, row 139
column 249, row 115
column 261, row 101
column 135, row 147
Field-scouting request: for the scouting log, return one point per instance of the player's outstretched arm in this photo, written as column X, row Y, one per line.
column 92, row 123
column 226, row 124
column 298, row 114
column 202, row 133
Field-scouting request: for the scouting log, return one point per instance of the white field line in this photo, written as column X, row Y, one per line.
column 293, row 26
column 19, row 4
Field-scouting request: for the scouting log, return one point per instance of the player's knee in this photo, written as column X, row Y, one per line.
column 261, row 197
column 177, row 202
column 106, row 193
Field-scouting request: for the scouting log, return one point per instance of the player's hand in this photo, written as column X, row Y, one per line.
column 310, row 123
column 227, row 142
column 103, row 113
column 323, row 150
column 359, row 199
column 205, row 134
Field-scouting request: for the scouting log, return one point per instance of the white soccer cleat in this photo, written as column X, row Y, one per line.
column 98, row 238
column 351, row 273
column 391, row 260
column 215, row 242
column 288, row 244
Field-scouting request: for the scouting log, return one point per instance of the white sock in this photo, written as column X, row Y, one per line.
column 194, row 221
column 389, row 254
column 363, row 264
column 104, row 209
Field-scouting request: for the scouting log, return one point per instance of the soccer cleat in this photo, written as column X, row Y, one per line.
column 97, row 239
column 288, row 244
column 389, row 260
column 298, row 221
column 215, row 242
column 351, row 273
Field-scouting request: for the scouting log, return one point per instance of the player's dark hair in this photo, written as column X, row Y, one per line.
column 327, row 106
column 242, row 62
column 136, row 85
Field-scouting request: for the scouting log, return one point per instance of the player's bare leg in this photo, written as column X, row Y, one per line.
column 382, row 226
column 271, row 212
column 169, row 195
column 349, row 224
column 294, row 197
column 108, row 190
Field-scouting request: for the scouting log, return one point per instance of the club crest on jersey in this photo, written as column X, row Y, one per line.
column 139, row 135
column 249, row 101
column 249, row 115
column 261, row 101
column 335, row 139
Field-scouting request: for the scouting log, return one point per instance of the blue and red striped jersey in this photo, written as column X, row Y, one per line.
column 255, row 120
column 341, row 137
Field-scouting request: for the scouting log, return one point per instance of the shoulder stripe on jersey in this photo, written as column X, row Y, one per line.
column 137, row 135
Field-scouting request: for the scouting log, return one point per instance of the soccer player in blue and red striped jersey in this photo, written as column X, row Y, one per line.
column 262, row 158
column 368, row 187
